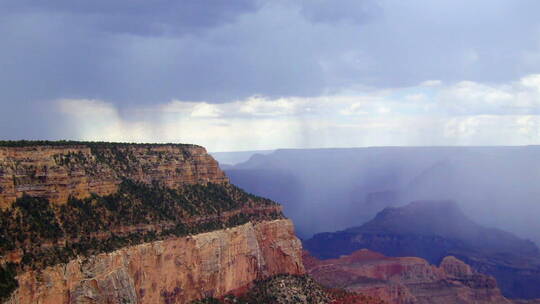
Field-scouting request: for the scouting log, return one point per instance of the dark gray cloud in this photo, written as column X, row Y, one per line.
column 341, row 11
column 144, row 52
column 33, row 120
column 139, row 17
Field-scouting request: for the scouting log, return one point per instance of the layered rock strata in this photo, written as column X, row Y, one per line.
column 57, row 172
column 176, row 270
column 433, row 230
column 406, row 280
column 131, row 223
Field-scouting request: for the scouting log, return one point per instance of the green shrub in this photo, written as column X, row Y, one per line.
column 8, row 282
column 32, row 221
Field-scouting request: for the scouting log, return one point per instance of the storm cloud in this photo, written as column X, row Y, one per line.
column 140, row 56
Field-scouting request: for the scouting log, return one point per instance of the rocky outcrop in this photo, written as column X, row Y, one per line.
column 433, row 230
column 131, row 223
column 176, row 270
column 57, row 172
column 405, row 280
column 291, row 289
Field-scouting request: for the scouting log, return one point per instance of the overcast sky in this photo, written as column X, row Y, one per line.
column 243, row 75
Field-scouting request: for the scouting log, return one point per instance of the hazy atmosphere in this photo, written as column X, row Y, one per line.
column 270, row 151
column 272, row 74
column 496, row 186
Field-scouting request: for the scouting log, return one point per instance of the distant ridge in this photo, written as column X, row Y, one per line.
column 236, row 157
column 353, row 184
column 433, row 230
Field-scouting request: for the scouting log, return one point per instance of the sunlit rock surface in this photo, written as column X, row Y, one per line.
column 177, row 270
column 406, row 280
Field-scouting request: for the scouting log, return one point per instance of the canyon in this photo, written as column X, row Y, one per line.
column 176, row 270
column 433, row 230
column 497, row 186
column 406, row 280
column 161, row 223
column 131, row 223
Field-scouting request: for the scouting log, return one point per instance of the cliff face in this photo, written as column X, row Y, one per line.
column 58, row 172
column 406, row 280
column 129, row 223
column 176, row 270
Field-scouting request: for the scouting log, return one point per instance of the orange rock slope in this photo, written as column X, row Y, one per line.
column 57, row 172
column 405, row 280
column 172, row 269
column 176, row 270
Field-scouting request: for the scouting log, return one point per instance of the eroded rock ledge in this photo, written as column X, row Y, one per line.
column 86, row 222
column 406, row 280
column 59, row 170
column 175, row 270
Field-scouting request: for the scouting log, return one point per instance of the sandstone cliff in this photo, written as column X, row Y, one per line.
column 129, row 223
column 175, row 270
column 406, row 280
column 57, row 172
column 433, row 230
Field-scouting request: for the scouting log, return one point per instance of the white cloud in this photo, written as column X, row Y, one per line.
column 354, row 109
column 98, row 120
column 529, row 126
column 531, row 81
column 419, row 97
column 493, row 130
column 467, row 97
column 465, row 113
column 260, row 106
column 431, row 83
column 205, row 110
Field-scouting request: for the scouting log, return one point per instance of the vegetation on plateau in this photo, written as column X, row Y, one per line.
column 119, row 157
column 8, row 283
column 49, row 234
column 291, row 289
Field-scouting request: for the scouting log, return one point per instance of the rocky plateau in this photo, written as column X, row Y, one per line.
column 131, row 223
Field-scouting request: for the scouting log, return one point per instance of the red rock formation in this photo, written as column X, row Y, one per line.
column 176, row 270
column 57, row 172
column 433, row 230
column 171, row 269
column 405, row 280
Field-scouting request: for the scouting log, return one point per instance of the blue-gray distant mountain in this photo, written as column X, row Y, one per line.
column 332, row 189
column 233, row 158
column 433, row 230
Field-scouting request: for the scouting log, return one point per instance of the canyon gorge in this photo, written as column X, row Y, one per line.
column 127, row 223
